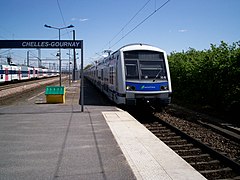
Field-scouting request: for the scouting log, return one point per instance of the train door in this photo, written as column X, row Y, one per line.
column 29, row 73
column 116, row 74
column 1, row 73
column 19, row 74
column 6, row 74
column 34, row 73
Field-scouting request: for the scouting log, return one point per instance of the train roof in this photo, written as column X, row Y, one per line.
column 129, row 47
column 134, row 44
column 138, row 46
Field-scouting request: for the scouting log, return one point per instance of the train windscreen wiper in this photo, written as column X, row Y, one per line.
column 157, row 75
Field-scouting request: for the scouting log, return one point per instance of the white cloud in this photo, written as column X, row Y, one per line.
column 79, row 19
column 82, row 20
column 182, row 30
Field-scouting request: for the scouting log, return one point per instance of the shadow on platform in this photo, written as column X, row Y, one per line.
column 93, row 96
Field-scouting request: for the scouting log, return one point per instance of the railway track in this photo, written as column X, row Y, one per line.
column 210, row 162
column 227, row 128
column 22, row 83
column 11, row 92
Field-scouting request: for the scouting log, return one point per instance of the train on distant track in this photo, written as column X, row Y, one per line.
column 133, row 75
column 11, row 72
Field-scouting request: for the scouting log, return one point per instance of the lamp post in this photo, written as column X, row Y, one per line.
column 69, row 72
column 60, row 63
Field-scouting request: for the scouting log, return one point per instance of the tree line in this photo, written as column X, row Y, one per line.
column 207, row 77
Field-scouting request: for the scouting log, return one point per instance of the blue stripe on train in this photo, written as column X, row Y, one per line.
column 151, row 86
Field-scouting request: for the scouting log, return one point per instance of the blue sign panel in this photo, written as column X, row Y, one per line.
column 40, row 44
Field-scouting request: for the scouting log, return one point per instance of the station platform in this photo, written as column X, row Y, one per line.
column 58, row 141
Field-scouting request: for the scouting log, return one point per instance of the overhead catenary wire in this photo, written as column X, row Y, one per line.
column 124, row 36
column 141, row 23
column 125, row 25
column 130, row 21
column 59, row 7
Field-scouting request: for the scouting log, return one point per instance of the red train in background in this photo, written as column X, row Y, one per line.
column 13, row 72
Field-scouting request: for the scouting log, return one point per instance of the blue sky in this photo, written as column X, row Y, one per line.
column 180, row 24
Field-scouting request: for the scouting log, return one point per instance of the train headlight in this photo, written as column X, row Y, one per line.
column 164, row 88
column 130, row 88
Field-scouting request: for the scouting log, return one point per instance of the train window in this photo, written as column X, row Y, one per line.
column 150, row 55
column 131, row 69
column 101, row 74
column 143, row 55
column 145, row 64
column 111, row 75
column 131, row 55
column 152, row 70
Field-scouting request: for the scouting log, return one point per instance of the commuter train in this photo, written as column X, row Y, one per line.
column 13, row 72
column 133, row 75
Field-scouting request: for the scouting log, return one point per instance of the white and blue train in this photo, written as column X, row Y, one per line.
column 13, row 72
column 133, row 75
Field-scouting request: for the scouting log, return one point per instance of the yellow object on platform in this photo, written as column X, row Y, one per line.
column 55, row 94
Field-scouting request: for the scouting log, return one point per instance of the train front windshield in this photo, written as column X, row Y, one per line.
column 145, row 65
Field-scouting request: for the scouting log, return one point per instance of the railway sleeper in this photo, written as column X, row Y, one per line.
column 163, row 132
column 223, row 153
column 153, row 129
column 185, row 152
column 218, row 173
column 181, row 146
column 236, row 178
column 166, row 134
column 195, row 158
column 168, row 131
column 157, row 130
column 173, row 142
column 154, row 125
column 210, row 165
column 150, row 127
column 167, row 138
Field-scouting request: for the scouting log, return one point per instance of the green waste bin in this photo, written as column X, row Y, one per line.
column 55, row 94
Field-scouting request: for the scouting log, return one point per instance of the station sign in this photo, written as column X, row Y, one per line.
column 41, row 44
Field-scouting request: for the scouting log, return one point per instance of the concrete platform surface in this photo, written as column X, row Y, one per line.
column 53, row 141
column 148, row 156
column 58, row 141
